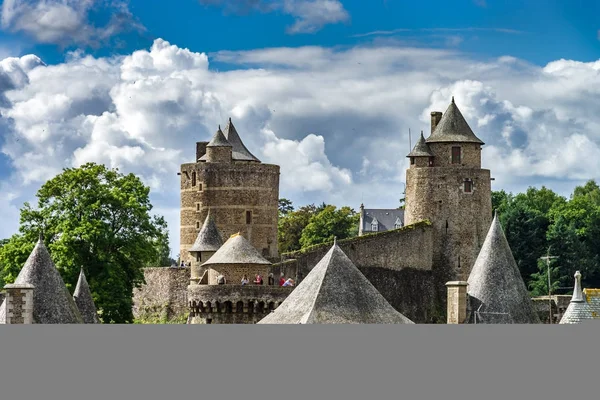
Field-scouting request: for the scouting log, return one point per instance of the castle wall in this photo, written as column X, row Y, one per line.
column 397, row 262
column 231, row 190
column 233, row 304
column 460, row 220
column 165, row 292
column 470, row 154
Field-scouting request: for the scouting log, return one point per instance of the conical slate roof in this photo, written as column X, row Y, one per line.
column 236, row 250
column 421, row 149
column 240, row 152
column 209, row 238
column 219, row 140
column 581, row 308
column 453, row 128
column 498, row 293
column 52, row 302
column 335, row 292
column 84, row 301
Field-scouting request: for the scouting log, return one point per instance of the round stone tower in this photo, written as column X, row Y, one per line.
column 241, row 192
column 446, row 185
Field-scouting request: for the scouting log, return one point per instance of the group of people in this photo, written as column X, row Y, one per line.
column 258, row 280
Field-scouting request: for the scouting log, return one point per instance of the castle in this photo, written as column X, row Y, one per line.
column 229, row 191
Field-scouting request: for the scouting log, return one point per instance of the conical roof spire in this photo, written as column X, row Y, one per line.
column 209, row 238
column 577, row 291
column 497, row 290
column 52, row 302
column 236, row 250
column 219, row 140
column 85, row 303
column 335, row 292
column 240, row 152
column 421, row 149
column 453, row 128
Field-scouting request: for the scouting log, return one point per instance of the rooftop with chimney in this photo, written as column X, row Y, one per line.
column 239, row 151
column 453, row 128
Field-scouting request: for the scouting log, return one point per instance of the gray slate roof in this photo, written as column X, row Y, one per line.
column 84, row 301
column 335, row 292
column 583, row 305
column 52, row 302
column 386, row 218
column 219, row 140
column 496, row 286
column 421, row 149
column 209, row 238
column 236, row 250
column 239, row 151
column 453, row 128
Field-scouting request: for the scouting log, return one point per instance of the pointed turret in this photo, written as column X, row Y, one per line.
column 497, row 291
column 240, row 152
column 219, row 140
column 421, row 149
column 209, row 238
column 335, row 292
column 85, row 303
column 453, row 128
column 581, row 307
column 52, row 302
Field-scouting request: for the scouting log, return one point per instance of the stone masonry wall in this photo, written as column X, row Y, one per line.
column 397, row 262
column 230, row 190
column 470, row 154
column 165, row 292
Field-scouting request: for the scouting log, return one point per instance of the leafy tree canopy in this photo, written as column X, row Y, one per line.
column 100, row 219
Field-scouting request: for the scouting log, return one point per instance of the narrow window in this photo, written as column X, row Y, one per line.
column 194, row 178
column 197, row 206
column 248, row 217
column 197, row 224
column 456, row 155
column 412, row 161
column 199, row 187
column 431, row 161
column 468, row 186
column 197, row 257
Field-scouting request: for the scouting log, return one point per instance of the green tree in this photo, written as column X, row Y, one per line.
column 291, row 225
column 329, row 223
column 99, row 219
column 285, row 207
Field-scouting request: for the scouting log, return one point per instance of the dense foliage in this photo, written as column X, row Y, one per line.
column 311, row 225
column 99, row 219
column 539, row 222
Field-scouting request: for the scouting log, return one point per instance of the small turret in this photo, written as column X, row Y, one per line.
column 218, row 150
column 421, row 155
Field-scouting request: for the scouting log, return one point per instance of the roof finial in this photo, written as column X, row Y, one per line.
column 41, row 236
column 219, row 126
column 577, row 292
column 229, row 119
column 335, row 240
column 452, row 99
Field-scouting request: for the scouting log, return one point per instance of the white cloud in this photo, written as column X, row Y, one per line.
column 310, row 16
column 335, row 121
column 66, row 22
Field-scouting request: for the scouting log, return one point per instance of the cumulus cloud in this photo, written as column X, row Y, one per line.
column 336, row 121
column 309, row 15
column 66, row 22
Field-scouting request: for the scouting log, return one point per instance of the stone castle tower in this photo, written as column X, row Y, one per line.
column 446, row 185
column 241, row 192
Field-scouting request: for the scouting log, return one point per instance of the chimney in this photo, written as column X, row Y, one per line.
column 436, row 116
column 19, row 303
column 200, row 149
column 457, row 302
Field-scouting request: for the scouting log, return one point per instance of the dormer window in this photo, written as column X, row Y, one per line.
column 398, row 223
column 456, row 155
column 375, row 225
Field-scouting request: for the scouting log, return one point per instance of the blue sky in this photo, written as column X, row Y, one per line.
column 327, row 89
